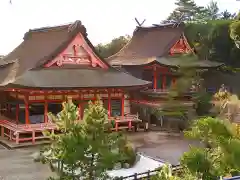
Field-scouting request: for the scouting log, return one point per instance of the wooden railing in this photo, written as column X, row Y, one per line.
column 176, row 169
column 129, row 121
column 13, row 131
column 31, row 132
column 148, row 174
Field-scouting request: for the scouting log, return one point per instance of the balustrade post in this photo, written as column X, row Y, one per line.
column 135, row 176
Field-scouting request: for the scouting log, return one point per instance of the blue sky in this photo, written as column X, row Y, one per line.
column 104, row 19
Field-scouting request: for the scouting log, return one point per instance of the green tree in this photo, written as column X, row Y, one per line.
column 189, row 81
column 235, row 31
column 106, row 50
column 212, row 11
column 186, row 11
column 166, row 174
column 212, row 41
column 220, row 153
column 220, row 157
column 85, row 148
column 227, row 15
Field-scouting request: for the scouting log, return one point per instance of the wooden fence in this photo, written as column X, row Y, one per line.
column 147, row 175
column 137, row 176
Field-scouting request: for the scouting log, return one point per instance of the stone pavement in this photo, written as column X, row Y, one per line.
column 165, row 147
column 18, row 164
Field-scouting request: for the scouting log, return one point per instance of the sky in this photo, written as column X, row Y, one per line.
column 104, row 19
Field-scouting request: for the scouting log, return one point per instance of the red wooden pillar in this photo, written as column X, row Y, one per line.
column 173, row 81
column 154, row 77
column 80, row 111
column 27, row 113
column 26, row 110
column 45, row 111
column 164, row 81
column 109, row 103
column 17, row 113
column 122, row 104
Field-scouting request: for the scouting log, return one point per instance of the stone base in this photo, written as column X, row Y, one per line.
column 12, row 145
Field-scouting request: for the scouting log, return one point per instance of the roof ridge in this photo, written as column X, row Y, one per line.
column 137, row 29
column 159, row 28
column 169, row 25
column 49, row 27
column 71, row 26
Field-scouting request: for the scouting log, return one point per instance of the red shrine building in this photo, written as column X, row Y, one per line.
column 153, row 54
column 51, row 64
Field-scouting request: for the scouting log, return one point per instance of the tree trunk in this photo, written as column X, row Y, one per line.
column 91, row 173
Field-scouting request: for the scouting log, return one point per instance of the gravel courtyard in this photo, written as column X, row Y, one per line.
column 18, row 164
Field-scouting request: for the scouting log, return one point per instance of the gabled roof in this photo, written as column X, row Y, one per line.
column 43, row 44
column 25, row 65
column 152, row 45
column 146, row 44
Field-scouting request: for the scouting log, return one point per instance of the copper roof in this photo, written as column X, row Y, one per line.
column 24, row 65
column 146, row 44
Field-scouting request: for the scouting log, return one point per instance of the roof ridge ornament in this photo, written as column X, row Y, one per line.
column 140, row 24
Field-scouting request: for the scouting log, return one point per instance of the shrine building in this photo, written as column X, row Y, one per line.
column 51, row 64
column 153, row 54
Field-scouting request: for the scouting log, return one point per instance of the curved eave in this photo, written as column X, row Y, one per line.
column 75, row 79
column 17, row 86
column 177, row 63
column 160, row 105
column 168, row 65
column 164, row 93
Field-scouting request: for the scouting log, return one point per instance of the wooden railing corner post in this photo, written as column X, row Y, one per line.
column 135, row 176
column 148, row 175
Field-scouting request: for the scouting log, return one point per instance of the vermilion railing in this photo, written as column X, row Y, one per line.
column 13, row 131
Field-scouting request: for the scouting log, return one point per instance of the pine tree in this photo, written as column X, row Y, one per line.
column 85, row 148
column 166, row 173
column 212, row 10
column 220, row 157
column 186, row 10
